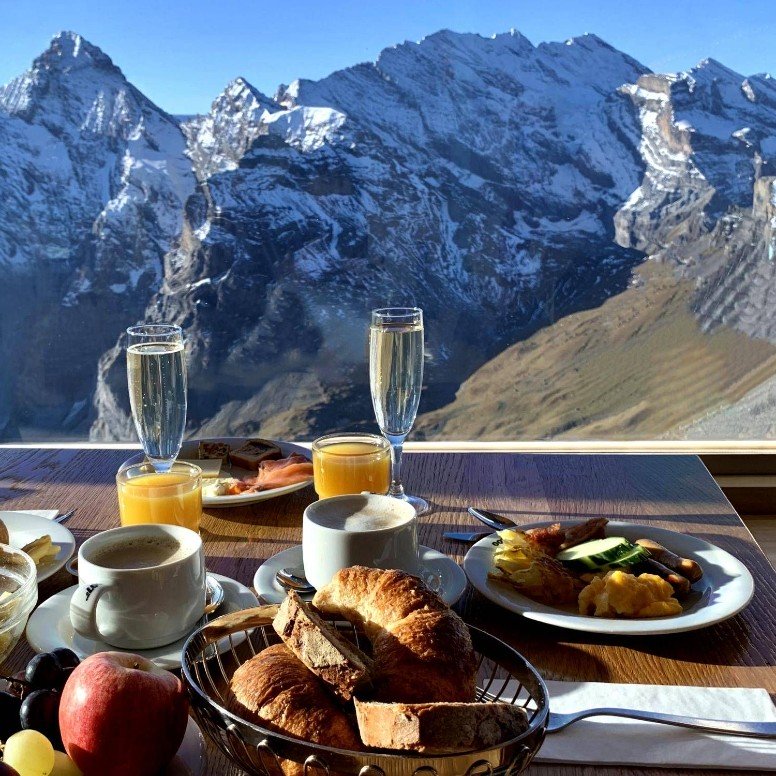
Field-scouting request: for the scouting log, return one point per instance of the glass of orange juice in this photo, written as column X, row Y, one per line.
column 351, row 463
column 173, row 497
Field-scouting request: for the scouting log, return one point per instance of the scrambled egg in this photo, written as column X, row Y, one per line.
column 620, row 593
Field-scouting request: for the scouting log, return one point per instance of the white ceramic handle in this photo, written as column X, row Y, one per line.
column 83, row 610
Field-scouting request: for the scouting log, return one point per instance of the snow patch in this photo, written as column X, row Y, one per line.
column 306, row 128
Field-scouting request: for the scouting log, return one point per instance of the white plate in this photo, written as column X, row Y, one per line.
column 724, row 590
column 24, row 528
column 49, row 626
column 189, row 452
column 191, row 758
column 441, row 573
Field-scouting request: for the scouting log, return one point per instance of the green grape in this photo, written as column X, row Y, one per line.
column 64, row 766
column 30, row 753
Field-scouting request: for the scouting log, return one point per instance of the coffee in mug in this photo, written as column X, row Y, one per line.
column 358, row 530
column 139, row 586
column 139, row 553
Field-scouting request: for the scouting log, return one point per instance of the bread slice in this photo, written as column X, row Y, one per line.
column 344, row 667
column 437, row 728
column 207, row 451
column 253, row 452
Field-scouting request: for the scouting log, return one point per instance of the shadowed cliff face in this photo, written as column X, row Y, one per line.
column 707, row 204
column 499, row 185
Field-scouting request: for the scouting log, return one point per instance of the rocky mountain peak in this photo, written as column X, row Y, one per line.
column 69, row 50
column 241, row 94
column 219, row 140
column 709, row 68
column 74, row 88
column 54, row 72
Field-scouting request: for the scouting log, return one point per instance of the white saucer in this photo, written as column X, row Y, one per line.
column 441, row 573
column 24, row 528
column 49, row 626
column 191, row 758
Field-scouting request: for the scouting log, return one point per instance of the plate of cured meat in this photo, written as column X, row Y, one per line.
column 245, row 470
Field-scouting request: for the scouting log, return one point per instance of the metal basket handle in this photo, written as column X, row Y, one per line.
column 228, row 624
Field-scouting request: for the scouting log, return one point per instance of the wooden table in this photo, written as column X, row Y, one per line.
column 674, row 492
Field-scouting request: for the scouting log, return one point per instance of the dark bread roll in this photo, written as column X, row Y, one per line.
column 320, row 646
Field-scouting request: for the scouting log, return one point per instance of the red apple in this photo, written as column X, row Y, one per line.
column 120, row 715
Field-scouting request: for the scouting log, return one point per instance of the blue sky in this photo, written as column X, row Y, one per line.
column 181, row 53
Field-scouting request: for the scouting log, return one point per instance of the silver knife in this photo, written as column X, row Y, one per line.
column 466, row 537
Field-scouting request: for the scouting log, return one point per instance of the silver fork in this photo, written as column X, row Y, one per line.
column 64, row 516
column 559, row 722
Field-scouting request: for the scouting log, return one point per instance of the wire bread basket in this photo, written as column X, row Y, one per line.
column 215, row 651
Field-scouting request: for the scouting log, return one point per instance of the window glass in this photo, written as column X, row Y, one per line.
column 588, row 220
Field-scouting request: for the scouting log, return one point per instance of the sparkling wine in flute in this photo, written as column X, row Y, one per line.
column 395, row 380
column 396, row 375
column 156, row 373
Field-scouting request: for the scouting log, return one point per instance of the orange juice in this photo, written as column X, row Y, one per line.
column 173, row 498
column 351, row 463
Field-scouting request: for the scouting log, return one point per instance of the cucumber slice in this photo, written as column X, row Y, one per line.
column 598, row 552
column 631, row 558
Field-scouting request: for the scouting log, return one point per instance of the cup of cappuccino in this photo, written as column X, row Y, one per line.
column 358, row 530
column 139, row 586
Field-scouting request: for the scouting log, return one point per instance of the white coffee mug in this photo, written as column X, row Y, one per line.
column 140, row 608
column 358, row 530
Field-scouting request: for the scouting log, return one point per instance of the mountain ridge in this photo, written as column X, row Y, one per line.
column 501, row 185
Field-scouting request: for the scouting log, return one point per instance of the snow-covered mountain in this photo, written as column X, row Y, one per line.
column 93, row 182
column 475, row 177
column 497, row 184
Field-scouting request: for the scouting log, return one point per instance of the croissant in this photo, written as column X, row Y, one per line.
column 422, row 650
column 276, row 690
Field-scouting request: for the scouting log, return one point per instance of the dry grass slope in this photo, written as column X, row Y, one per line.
column 634, row 368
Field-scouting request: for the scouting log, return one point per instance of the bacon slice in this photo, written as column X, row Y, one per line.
column 275, row 474
column 547, row 539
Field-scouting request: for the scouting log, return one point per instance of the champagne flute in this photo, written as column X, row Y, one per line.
column 156, row 374
column 395, row 380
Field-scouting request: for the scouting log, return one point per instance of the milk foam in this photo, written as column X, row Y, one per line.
column 367, row 518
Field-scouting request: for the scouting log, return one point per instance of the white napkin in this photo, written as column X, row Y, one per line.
column 615, row 740
column 49, row 514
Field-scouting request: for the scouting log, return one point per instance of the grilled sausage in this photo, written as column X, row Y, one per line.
column 680, row 584
column 684, row 566
column 595, row 528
